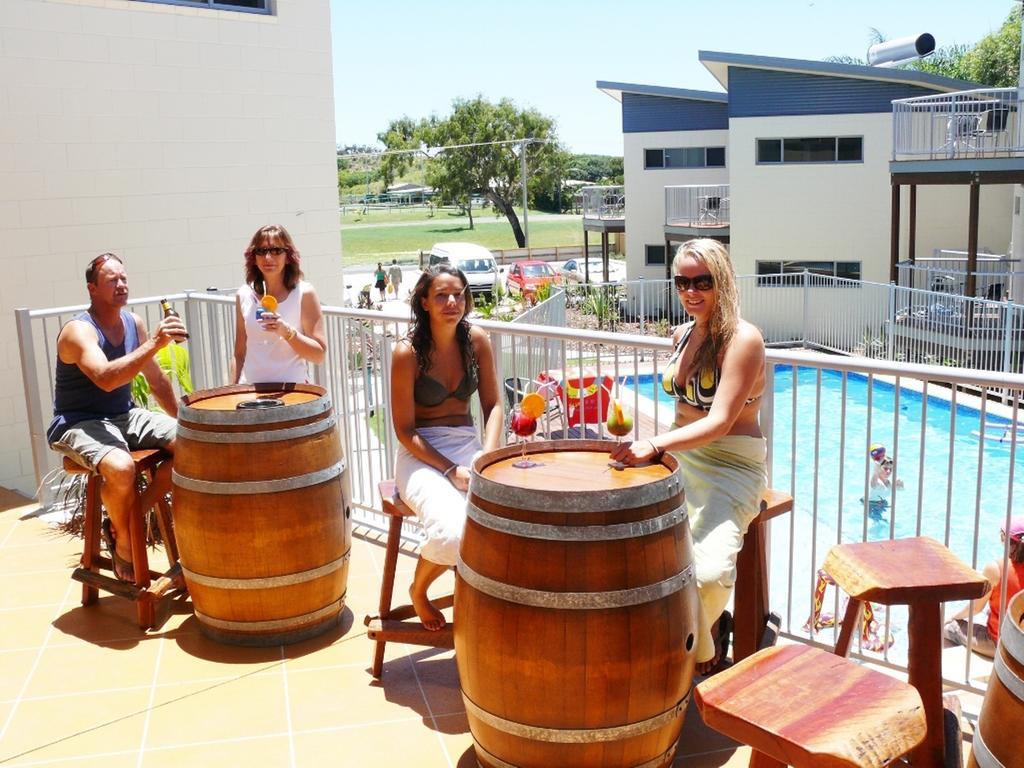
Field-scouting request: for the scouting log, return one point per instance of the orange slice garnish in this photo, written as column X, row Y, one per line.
column 269, row 303
column 532, row 405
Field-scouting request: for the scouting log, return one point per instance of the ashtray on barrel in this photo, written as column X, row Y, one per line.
column 575, row 609
column 261, row 513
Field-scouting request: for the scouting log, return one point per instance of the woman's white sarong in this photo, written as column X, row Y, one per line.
column 724, row 482
column 439, row 506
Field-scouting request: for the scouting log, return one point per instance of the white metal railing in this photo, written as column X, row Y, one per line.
column 831, row 314
column 819, row 413
column 996, row 277
column 967, row 124
column 604, row 203
column 697, row 205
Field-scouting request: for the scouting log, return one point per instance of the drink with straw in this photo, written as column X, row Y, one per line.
column 267, row 304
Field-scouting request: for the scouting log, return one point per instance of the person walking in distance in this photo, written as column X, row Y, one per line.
column 395, row 276
column 95, row 423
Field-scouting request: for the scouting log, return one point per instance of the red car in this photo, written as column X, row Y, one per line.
column 530, row 274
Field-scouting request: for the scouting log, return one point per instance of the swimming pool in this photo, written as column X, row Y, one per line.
column 825, row 513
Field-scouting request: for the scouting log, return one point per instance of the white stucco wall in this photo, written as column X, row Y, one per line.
column 840, row 212
column 645, row 189
column 165, row 134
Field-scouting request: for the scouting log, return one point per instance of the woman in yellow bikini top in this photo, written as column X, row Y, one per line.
column 716, row 373
column 700, row 387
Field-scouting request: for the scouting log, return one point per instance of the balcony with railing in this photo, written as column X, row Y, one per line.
column 604, row 208
column 697, row 207
column 997, row 277
column 978, row 125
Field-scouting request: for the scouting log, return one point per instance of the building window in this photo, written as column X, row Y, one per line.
column 789, row 273
column 814, row 149
column 685, row 157
column 654, row 255
column 254, row 6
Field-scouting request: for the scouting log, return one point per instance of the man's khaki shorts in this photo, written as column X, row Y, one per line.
column 87, row 442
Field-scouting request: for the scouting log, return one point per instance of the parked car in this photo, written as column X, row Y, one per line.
column 573, row 270
column 475, row 261
column 529, row 275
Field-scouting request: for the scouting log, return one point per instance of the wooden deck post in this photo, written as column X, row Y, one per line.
column 912, row 236
column 972, row 241
column 894, row 232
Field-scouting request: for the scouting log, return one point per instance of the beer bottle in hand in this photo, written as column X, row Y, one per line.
column 170, row 311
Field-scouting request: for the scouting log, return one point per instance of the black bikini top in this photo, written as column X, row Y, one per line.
column 428, row 391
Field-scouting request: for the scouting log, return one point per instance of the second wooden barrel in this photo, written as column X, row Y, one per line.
column 1001, row 720
column 261, row 513
column 575, row 609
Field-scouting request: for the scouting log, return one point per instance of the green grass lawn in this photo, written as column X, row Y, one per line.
column 360, row 245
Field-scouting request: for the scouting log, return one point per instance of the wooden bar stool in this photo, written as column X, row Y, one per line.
column 802, row 706
column 922, row 574
column 750, row 603
column 149, row 586
column 392, row 624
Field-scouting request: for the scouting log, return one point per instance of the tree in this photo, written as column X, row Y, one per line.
column 489, row 168
column 995, row 60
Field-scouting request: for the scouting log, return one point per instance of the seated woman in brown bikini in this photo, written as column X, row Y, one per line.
column 435, row 370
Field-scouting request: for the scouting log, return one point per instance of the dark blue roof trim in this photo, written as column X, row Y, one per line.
column 616, row 90
column 642, row 113
column 762, row 92
column 909, row 76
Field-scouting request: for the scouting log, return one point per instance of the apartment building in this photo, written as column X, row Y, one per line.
column 166, row 132
column 789, row 164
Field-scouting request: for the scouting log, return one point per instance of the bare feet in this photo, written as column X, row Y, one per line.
column 428, row 613
column 123, row 569
column 720, row 631
column 426, row 574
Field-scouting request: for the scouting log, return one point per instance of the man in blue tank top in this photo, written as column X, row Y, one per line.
column 95, row 421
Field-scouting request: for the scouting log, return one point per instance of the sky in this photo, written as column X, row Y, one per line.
column 402, row 58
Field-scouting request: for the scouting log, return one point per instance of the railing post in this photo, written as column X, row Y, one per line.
column 1008, row 307
column 890, row 320
column 33, row 403
column 642, row 304
column 807, row 293
column 195, row 340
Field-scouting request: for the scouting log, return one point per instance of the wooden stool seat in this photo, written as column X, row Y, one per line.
column 922, row 574
column 750, row 603
column 150, row 586
column 802, row 706
column 399, row 624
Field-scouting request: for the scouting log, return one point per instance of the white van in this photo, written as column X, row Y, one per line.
column 475, row 261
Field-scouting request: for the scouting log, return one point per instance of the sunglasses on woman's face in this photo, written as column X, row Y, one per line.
column 274, row 251
column 703, row 282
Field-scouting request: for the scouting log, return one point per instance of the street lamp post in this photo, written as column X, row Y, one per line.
column 522, row 174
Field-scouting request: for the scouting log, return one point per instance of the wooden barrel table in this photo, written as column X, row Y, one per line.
column 261, row 512
column 1001, row 720
column 575, row 609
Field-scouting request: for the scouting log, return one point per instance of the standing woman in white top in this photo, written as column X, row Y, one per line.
column 276, row 346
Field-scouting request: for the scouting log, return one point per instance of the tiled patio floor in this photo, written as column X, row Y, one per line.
column 85, row 687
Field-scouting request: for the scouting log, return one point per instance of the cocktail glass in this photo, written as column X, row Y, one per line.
column 524, row 426
column 620, row 424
